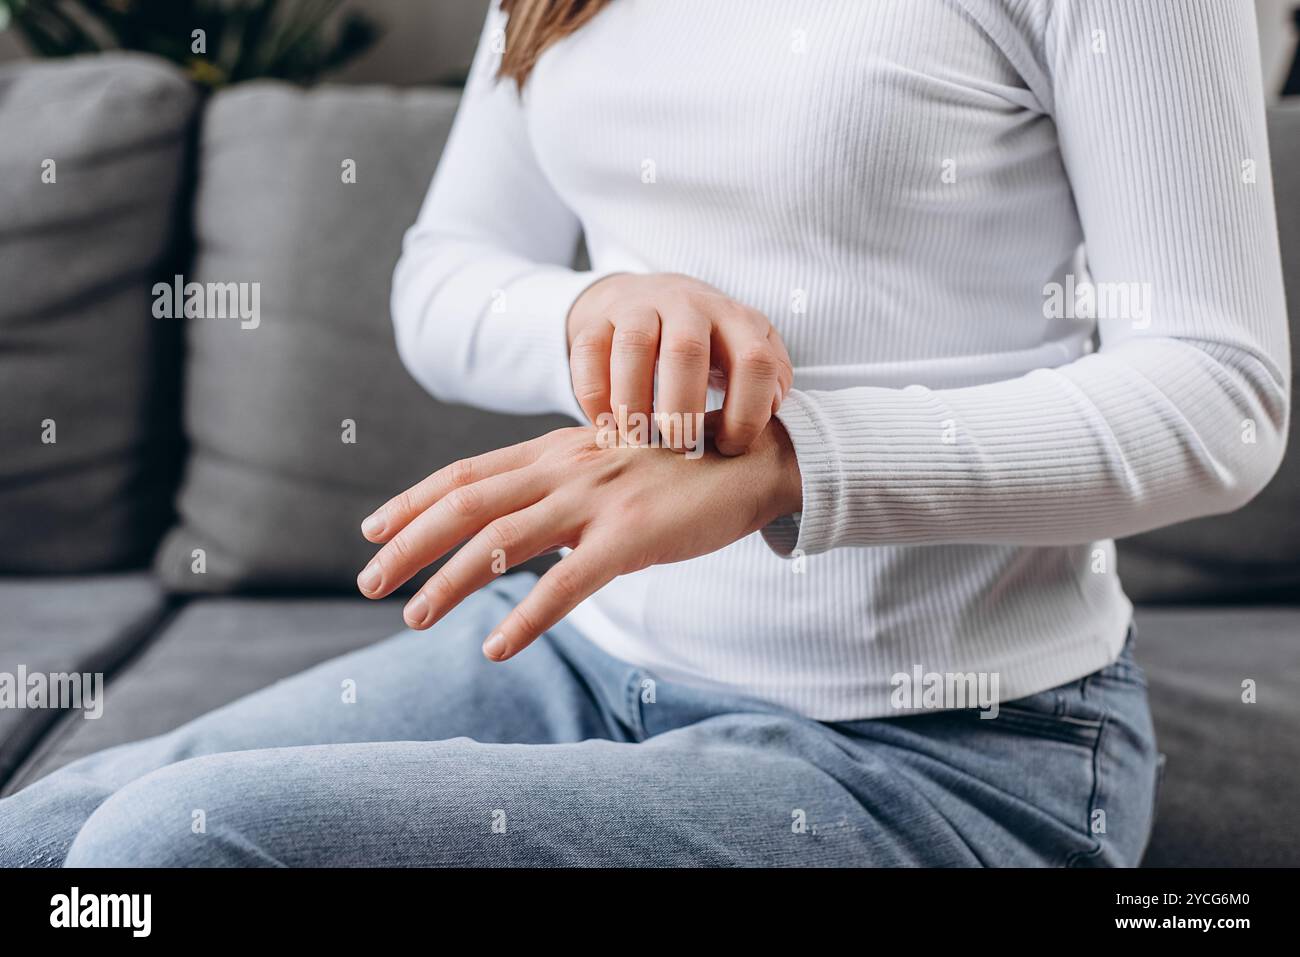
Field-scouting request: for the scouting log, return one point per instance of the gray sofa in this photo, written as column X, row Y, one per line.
column 191, row 529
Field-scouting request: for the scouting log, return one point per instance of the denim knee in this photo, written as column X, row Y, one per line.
column 166, row 819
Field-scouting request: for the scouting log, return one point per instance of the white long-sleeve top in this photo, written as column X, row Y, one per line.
column 913, row 191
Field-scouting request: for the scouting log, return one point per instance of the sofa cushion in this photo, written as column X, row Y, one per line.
column 211, row 652
column 66, row 626
column 91, row 168
column 1228, row 797
column 273, row 493
column 1254, row 553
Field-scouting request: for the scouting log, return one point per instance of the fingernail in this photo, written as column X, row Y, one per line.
column 369, row 579
column 373, row 526
column 495, row 647
column 417, row 609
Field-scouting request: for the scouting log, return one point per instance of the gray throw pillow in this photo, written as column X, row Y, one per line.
column 92, row 157
column 304, row 420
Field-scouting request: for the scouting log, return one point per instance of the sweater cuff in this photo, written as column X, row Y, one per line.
column 812, row 530
column 537, row 322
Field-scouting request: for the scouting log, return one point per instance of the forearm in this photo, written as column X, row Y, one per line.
column 480, row 326
column 1154, row 432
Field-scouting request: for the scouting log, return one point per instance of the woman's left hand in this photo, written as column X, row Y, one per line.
column 620, row 509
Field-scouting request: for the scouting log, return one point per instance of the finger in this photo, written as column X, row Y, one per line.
column 683, row 380
column 632, row 367
column 752, row 382
column 505, row 542
column 580, row 574
column 785, row 371
column 394, row 515
column 453, row 518
column 589, row 368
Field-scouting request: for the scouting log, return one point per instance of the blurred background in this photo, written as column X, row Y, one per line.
column 432, row 41
column 419, row 41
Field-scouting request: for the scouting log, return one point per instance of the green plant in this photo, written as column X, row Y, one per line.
column 218, row 41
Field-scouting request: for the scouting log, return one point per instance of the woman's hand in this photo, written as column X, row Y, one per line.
column 623, row 325
column 620, row 509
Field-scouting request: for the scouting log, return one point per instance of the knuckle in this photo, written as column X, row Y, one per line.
column 403, row 503
column 587, row 390
column 526, row 620
column 565, row 584
column 738, row 316
column 400, row 551
column 441, row 589
column 504, row 534
column 700, row 297
column 461, row 472
column 464, row 501
column 626, row 514
column 703, row 302
column 690, row 350
column 587, row 346
column 635, row 341
column 759, row 359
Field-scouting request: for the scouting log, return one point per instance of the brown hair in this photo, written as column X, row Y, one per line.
column 533, row 25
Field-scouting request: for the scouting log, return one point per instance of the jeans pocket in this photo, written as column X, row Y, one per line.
column 1047, row 714
column 1063, row 727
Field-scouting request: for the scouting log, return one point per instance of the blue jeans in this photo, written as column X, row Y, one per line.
column 566, row 756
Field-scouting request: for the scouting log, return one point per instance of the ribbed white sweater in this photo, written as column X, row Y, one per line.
column 896, row 184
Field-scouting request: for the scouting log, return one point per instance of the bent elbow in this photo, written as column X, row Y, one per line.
column 1260, row 442
column 1258, row 471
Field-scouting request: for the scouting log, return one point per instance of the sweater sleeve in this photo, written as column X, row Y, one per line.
column 1159, row 110
column 483, row 287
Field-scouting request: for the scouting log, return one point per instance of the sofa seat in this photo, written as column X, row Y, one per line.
column 207, row 653
column 1229, row 793
column 68, row 625
column 1227, row 797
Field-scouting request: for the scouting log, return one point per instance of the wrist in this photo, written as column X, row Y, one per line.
column 785, row 481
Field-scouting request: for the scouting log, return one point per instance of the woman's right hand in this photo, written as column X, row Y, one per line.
column 625, row 325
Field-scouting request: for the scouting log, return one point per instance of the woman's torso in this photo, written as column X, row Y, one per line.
column 881, row 181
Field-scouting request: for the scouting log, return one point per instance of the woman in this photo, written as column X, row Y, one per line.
column 985, row 283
